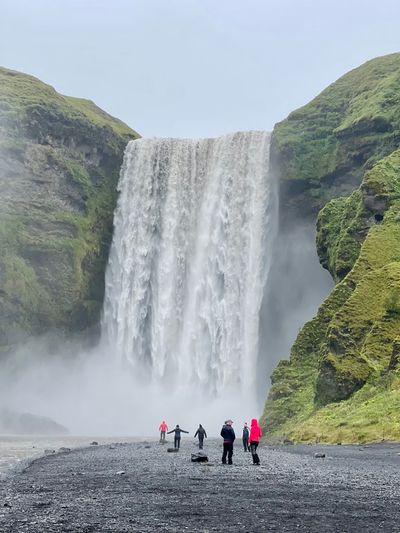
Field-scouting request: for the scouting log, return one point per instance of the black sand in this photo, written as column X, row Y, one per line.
column 354, row 489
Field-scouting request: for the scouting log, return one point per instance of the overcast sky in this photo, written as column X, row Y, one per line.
column 195, row 68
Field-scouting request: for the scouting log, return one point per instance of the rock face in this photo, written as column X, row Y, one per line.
column 59, row 166
column 28, row 424
column 323, row 149
column 342, row 382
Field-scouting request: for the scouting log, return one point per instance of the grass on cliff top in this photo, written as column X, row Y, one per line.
column 20, row 91
column 365, row 100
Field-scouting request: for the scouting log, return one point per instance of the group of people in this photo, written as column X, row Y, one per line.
column 250, row 438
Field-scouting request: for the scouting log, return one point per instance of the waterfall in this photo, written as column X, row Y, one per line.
column 193, row 232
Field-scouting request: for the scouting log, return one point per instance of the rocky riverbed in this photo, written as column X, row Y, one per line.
column 141, row 487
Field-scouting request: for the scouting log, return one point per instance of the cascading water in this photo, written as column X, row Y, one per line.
column 189, row 260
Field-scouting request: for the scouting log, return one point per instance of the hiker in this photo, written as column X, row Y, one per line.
column 228, row 434
column 255, row 435
column 200, row 433
column 163, row 429
column 177, row 438
column 245, row 437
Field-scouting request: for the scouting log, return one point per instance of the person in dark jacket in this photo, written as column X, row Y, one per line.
column 200, row 433
column 228, row 434
column 177, row 438
column 245, row 437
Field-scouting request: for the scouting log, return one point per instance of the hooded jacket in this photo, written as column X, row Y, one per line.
column 255, row 431
column 227, row 433
column 163, row 427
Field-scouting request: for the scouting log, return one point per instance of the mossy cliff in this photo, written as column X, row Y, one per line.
column 323, row 149
column 342, row 382
column 59, row 166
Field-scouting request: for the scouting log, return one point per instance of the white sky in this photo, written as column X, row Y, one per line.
column 195, row 68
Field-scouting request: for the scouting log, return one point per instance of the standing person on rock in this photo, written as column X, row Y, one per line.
column 255, row 436
column 163, row 429
column 200, row 433
column 177, row 439
column 245, row 437
column 228, row 434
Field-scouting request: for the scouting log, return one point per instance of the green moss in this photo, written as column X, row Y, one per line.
column 343, row 359
column 67, row 152
column 324, row 148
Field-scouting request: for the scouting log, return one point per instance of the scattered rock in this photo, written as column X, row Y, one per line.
column 121, row 473
column 49, row 452
column 64, row 449
column 338, row 444
column 94, row 443
column 6, row 504
column 319, row 455
column 112, row 447
column 172, row 450
column 149, row 447
column 288, row 442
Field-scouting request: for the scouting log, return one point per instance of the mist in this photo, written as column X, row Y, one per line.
column 296, row 286
column 89, row 393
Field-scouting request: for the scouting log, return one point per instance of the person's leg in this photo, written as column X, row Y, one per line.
column 225, row 452
column 254, row 446
column 179, row 443
column 244, row 444
column 230, row 453
column 175, row 442
column 200, row 444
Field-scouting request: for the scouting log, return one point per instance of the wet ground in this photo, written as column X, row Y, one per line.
column 352, row 489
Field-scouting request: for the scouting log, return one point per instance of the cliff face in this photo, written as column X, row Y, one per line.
column 322, row 150
column 342, row 382
column 59, row 165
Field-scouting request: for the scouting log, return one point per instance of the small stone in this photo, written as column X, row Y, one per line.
column 121, row 473
column 319, row 455
column 49, row 452
column 172, row 450
column 7, row 504
column 64, row 449
column 94, row 443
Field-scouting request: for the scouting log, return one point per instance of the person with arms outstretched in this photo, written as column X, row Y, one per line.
column 177, row 438
column 163, row 429
column 200, row 433
column 228, row 434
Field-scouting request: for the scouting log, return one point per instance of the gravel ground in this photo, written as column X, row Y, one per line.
column 355, row 488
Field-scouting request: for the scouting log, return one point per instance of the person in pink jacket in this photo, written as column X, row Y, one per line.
column 163, row 429
column 255, row 436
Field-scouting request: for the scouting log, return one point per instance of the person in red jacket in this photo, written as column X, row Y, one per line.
column 255, row 435
column 163, row 429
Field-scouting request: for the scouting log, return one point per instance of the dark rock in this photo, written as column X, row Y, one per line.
column 319, row 455
column 121, row 473
column 172, row 450
column 199, row 457
column 94, row 443
column 64, row 449
column 148, row 446
column 49, row 452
